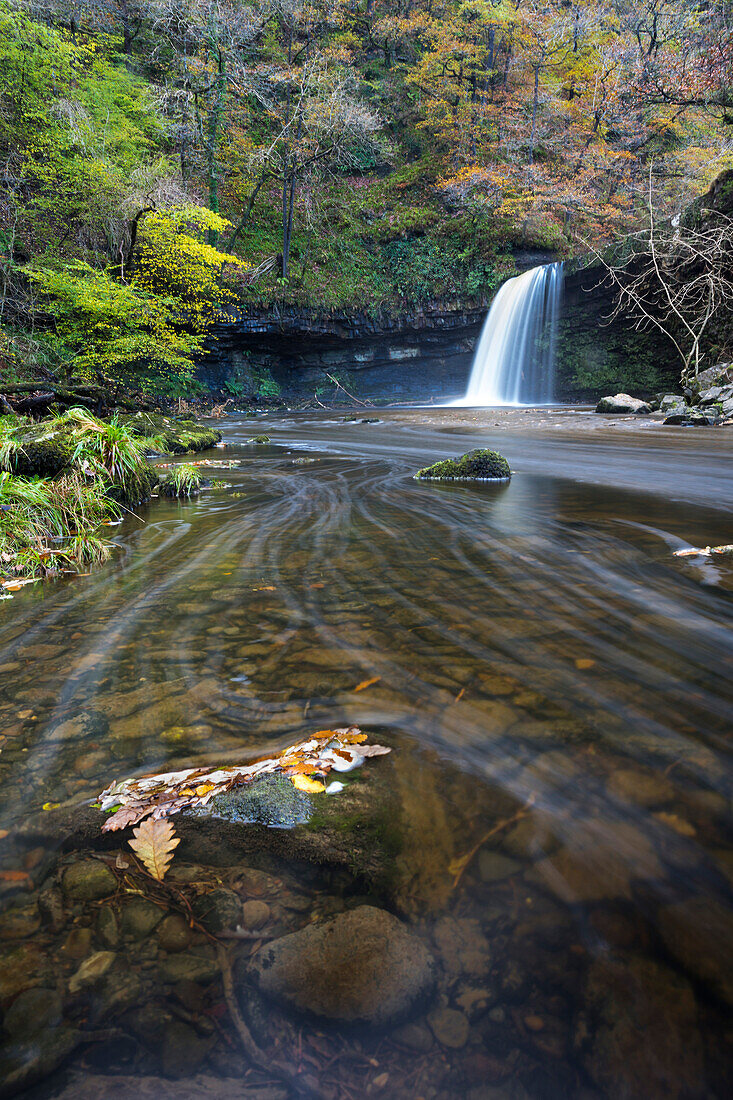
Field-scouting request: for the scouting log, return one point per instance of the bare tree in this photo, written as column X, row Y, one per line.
column 675, row 277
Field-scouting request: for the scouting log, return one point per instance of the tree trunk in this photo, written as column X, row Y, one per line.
column 214, row 137
column 535, row 100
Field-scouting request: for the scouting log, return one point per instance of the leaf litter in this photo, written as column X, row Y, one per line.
column 305, row 764
column 153, row 842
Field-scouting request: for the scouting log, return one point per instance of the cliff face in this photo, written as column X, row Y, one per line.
column 424, row 354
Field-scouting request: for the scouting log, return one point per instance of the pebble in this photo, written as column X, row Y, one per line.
column 78, row 943
column 19, row 921
column 493, row 866
column 139, row 917
column 255, row 914
column 31, row 1012
column 218, row 910
column 415, row 1037
column 450, row 1027
column 107, row 929
column 174, row 933
column 88, row 880
column 189, row 967
column 92, row 970
column 534, row 1023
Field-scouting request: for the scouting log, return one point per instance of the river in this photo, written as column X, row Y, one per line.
column 538, row 656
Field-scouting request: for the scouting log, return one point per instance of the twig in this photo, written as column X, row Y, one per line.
column 339, row 386
column 463, row 862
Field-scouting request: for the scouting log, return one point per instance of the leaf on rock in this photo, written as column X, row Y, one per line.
column 153, row 843
column 133, row 800
column 305, row 783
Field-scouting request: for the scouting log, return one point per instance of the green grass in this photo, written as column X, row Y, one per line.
column 49, row 525
column 183, row 481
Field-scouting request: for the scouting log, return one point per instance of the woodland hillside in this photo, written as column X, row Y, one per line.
column 165, row 161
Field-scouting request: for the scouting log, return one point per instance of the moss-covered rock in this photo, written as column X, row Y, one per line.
column 41, row 450
column 171, row 435
column 478, row 465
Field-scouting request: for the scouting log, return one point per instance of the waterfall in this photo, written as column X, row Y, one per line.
column 514, row 363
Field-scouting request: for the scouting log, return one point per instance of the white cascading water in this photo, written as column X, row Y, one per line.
column 514, row 363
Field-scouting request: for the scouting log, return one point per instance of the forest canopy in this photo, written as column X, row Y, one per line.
column 165, row 161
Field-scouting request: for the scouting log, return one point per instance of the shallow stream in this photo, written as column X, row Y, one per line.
column 552, row 681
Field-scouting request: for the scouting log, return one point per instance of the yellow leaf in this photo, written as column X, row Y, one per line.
column 305, row 783
column 367, row 683
column 584, row 662
column 154, row 842
column 51, row 805
column 204, row 789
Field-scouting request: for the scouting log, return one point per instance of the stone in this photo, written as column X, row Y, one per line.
column 644, row 1031
column 478, row 465
column 415, row 1037
column 671, row 402
column 51, row 908
column 31, row 1012
column 189, row 967
column 88, row 880
column 363, row 966
column 218, row 910
column 91, row 971
column 174, row 933
column 493, row 866
column 77, row 944
column 24, row 1064
column 255, row 914
column 601, row 860
column 87, row 724
column 139, row 917
column 622, row 403
column 641, row 787
column 462, row 946
column 21, row 968
column 107, row 929
column 19, row 921
column 450, row 1027
column 183, row 1049
column 698, row 933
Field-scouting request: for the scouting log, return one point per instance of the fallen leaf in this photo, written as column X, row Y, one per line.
column 4, row 833
column 367, row 683
column 154, row 842
column 15, row 876
column 204, row 789
column 50, row 805
column 305, row 783
column 584, row 662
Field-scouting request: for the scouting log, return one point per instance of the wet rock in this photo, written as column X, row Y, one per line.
column 670, row 403
column 20, row 968
column 139, row 917
column 601, row 860
column 698, row 933
column 19, row 921
column 88, row 880
column 363, row 966
column 183, row 1049
column 174, row 933
column 218, row 910
column 493, row 866
column 462, row 947
column 255, row 914
column 478, row 465
column 91, row 971
column 450, row 1027
column 622, row 403
column 88, row 724
column 51, row 908
column 415, row 1037
column 644, row 1031
column 31, row 1012
column 189, row 967
column 640, row 787
column 107, row 928
column 77, row 944
column 23, row 1065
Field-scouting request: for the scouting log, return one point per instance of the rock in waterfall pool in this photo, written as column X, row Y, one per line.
column 529, row 897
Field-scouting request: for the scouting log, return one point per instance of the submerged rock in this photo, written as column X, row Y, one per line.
column 478, row 465
column 363, row 966
column 622, row 403
column 698, row 933
column 88, row 880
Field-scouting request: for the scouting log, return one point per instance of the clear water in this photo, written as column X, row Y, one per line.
column 534, row 643
column 514, row 362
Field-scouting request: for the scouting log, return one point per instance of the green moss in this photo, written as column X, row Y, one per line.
column 43, row 449
column 478, row 465
column 170, row 435
column 259, row 439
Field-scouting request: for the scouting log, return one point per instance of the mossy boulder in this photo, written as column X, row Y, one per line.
column 478, row 465
column 42, row 450
column 173, row 435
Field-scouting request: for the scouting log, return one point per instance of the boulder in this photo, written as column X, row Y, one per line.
column 672, row 402
column 698, row 933
column 719, row 375
column 622, row 403
column 363, row 966
column 478, row 465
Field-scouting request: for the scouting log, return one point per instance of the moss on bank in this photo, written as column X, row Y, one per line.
column 478, row 465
